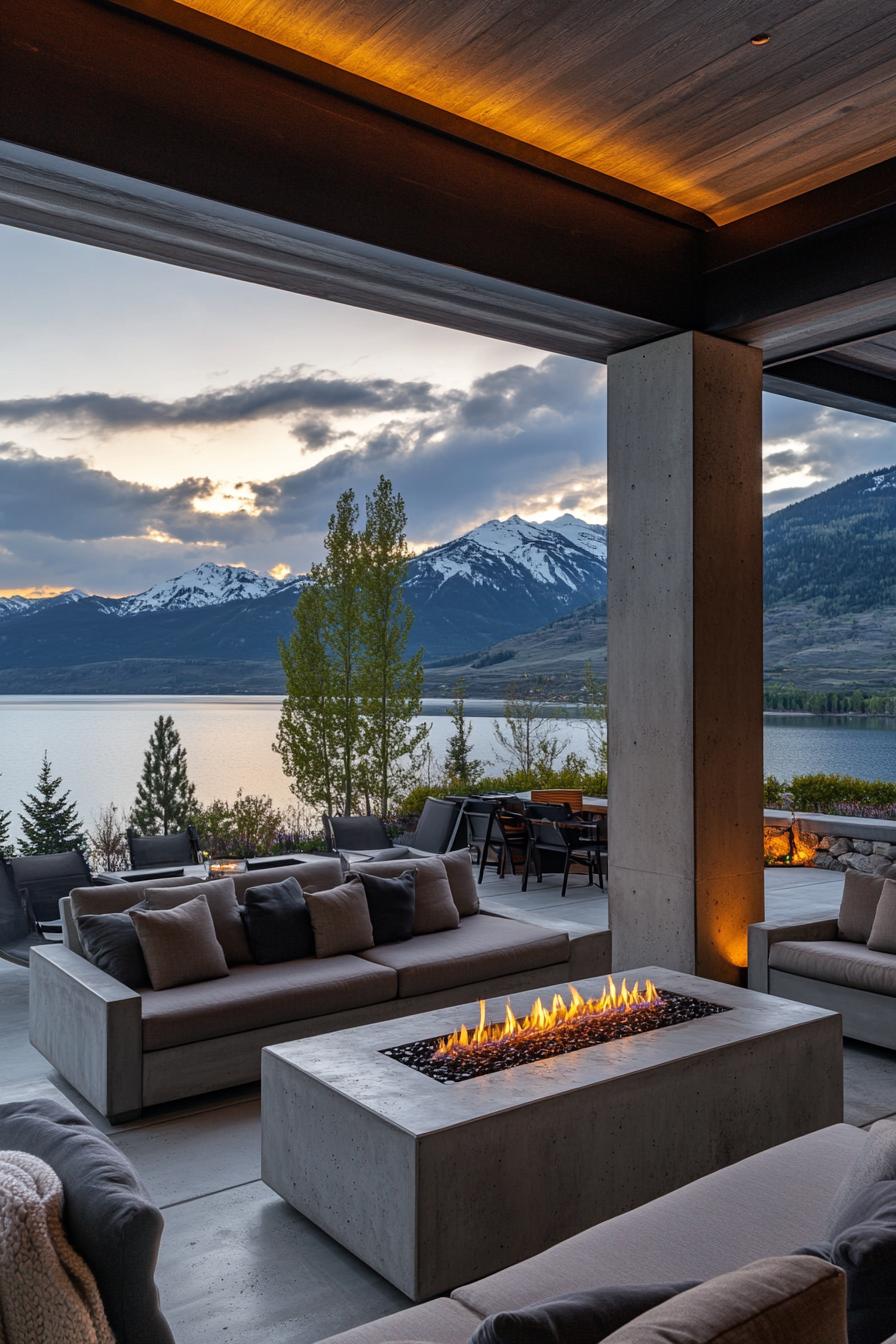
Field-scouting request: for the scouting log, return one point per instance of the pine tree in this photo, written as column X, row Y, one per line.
column 462, row 771
column 49, row 820
column 390, row 683
column 166, row 799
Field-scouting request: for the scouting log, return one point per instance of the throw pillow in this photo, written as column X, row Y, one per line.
column 434, row 907
column 790, row 1300
column 462, row 881
column 179, row 945
column 340, row 919
column 221, row 898
column 576, row 1318
column 390, row 904
column 858, row 906
column 111, row 943
column 278, row 924
column 882, row 937
column 863, row 1245
column 108, row 1216
column 876, row 1162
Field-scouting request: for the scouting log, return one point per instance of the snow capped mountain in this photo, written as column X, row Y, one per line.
column 207, row 585
column 22, row 606
column 591, row 537
column 557, row 552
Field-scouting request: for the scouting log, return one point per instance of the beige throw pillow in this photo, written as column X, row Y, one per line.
column 794, row 1299
column 858, row 906
column 179, row 946
column 435, row 909
column 462, row 881
column 883, row 931
column 340, row 919
column 221, row 897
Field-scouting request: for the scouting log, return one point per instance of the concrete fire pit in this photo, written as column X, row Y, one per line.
column 434, row 1184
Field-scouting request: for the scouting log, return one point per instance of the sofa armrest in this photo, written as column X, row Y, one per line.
column 590, row 949
column 89, row 1026
column 760, row 938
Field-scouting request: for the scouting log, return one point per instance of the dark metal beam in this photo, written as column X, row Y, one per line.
column 829, row 383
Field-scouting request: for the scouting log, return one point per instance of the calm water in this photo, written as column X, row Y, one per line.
column 97, row 744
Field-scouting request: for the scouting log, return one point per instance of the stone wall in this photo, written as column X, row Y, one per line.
column 842, row 852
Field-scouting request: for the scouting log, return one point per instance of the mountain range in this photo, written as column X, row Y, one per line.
column 508, row 598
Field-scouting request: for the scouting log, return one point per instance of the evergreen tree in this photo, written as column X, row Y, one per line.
column 390, row 683
column 49, row 820
column 462, row 771
column 166, row 799
column 5, row 846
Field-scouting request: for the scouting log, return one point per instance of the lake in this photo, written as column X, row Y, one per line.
column 96, row 744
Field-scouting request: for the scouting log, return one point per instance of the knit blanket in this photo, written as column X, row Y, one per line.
column 47, row 1293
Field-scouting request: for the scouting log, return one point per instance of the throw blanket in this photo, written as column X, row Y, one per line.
column 47, row 1293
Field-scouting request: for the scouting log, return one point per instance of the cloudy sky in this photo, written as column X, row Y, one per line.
column 152, row 418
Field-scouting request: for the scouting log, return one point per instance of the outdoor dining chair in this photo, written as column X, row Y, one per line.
column 39, row 882
column 438, row 828
column 553, row 830
column 356, row 834
column 17, row 932
column 162, row 851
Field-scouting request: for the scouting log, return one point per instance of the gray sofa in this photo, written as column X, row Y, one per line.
column 827, row 962
column 767, row 1205
column 124, row 1049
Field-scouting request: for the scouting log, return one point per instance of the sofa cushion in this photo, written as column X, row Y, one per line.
column 179, row 945
column 340, row 919
column 462, row 881
column 576, row 1318
column 882, row 937
column 858, row 905
column 390, row 904
column 434, row 907
column 278, row 925
column 733, row 1216
column 876, row 1162
column 315, row 875
column 221, row 898
column 109, row 1218
column 789, row 1300
column 111, row 942
column 838, row 963
column 482, row 947
column 253, row 997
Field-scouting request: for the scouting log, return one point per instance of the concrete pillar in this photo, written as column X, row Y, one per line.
column 684, row 440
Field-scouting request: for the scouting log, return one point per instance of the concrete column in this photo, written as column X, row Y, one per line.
column 684, row 441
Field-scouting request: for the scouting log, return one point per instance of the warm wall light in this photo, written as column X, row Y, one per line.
column 760, row 40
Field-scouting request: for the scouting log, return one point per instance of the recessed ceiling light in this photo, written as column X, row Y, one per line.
column 760, row 40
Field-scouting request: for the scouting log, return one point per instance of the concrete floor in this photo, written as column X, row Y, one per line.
column 236, row 1262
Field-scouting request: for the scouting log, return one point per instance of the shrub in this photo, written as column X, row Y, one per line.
column 775, row 792
column 828, row 793
column 572, row 774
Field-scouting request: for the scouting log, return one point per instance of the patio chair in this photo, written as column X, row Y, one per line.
column 438, row 828
column 17, row 933
column 356, row 834
column 162, row 851
column 493, row 829
column 553, row 830
column 39, row 882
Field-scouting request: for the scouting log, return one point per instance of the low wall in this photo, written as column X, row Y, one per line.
column 861, row 843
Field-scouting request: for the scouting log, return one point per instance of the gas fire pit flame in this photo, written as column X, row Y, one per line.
column 540, row 1021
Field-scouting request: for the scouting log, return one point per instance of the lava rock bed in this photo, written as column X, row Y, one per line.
column 564, row 1039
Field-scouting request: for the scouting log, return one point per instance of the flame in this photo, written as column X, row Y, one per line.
column 789, row 845
column 540, row 1019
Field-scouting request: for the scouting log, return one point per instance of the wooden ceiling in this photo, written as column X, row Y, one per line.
column 669, row 95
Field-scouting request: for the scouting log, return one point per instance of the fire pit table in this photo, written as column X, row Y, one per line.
column 438, row 1161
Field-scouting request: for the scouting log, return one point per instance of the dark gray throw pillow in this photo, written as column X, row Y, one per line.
column 277, row 921
column 111, row 943
column 577, row 1318
column 390, row 902
column 109, row 1218
column 864, row 1247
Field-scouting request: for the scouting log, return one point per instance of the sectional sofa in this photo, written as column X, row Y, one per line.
column 123, row 1049
column 837, row 962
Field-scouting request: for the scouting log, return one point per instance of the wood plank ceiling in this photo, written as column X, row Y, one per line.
column 669, row 95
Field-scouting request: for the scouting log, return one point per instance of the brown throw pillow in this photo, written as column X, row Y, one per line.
column 221, row 897
column 179, row 946
column 794, row 1299
column 434, row 909
column 340, row 919
column 462, row 881
column 858, row 906
column 883, row 931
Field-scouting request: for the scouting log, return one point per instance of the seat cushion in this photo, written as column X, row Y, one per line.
column 481, row 948
column 262, row 996
column 109, row 1218
column 768, row 1204
column 838, row 963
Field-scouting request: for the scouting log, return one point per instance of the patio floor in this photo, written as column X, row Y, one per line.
column 236, row 1261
